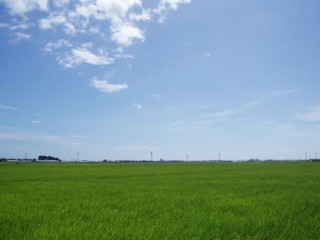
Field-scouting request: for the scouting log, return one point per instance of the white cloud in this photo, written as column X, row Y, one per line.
column 69, row 28
column 212, row 105
column 36, row 122
column 6, row 107
column 207, row 54
column 164, row 5
column 20, row 7
column 118, row 19
column 60, row 3
column 312, row 116
column 124, row 56
column 282, row 92
column 51, row 46
column 173, row 4
column 144, row 16
column 247, row 106
column 83, row 55
column 4, row 25
column 50, row 22
column 133, row 149
column 251, row 105
column 21, row 36
column 182, row 126
column 138, row 106
column 234, row 111
column 105, row 86
column 285, row 127
column 86, row 56
column 15, row 26
column 126, row 34
column 122, row 16
column 116, row 10
column 17, row 30
column 157, row 97
column 26, row 135
column 225, row 113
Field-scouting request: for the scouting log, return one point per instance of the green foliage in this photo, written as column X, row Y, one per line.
column 160, row 201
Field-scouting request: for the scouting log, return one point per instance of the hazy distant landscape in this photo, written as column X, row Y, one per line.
column 160, row 201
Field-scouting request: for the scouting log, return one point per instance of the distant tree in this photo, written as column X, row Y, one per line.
column 42, row 157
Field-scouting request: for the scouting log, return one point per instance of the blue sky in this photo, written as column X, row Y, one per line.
column 117, row 79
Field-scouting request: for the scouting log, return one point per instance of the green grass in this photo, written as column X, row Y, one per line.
column 160, row 201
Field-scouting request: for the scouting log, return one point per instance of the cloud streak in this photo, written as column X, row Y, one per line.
column 6, row 107
column 313, row 115
column 82, row 55
column 105, row 86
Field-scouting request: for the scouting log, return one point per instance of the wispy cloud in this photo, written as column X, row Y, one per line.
column 282, row 92
column 225, row 113
column 285, row 127
column 82, row 55
column 252, row 104
column 15, row 26
column 165, row 5
column 138, row 106
column 52, row 46
column 313, row 115
column 212, row 105
column 75, row 142
column 237, row 110
column 207, row 54
column 37, row 122
column 105, row 86
column 157, row 97
column 19, row 36
column 50, row 22
column 182, row 126
column 144, row 148
column 208, row 115
column 6, row 107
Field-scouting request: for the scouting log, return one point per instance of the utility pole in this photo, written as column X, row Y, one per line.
column 187, row 157
column 219, row 156
column 306, row 155
column 77, row 157
column 151, row 156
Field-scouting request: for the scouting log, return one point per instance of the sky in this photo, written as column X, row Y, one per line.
column 119, row 79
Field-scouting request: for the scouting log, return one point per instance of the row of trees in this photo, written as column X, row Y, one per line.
column 42, row 157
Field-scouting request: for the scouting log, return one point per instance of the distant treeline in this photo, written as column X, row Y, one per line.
column 17, row 159
column 42, row 158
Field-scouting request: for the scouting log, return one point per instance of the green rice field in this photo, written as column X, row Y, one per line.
column 160, row 201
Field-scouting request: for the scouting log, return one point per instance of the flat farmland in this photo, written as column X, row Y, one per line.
column 160, row 201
